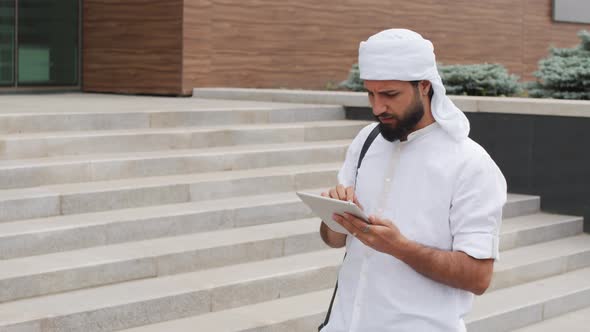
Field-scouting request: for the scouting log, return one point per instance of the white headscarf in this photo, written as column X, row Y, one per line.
column 403, row 55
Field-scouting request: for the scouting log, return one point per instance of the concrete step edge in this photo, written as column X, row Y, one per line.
column 538, row 227
column 533, row 262
column 155, row 181
column 59, row 272
column 207, row 279
column 28, row 226
column 50, row 266
column 77, row 121
column 525, row 304
column 83, row 197
column 297, row 313
column 219, row 283
column 67, row 232
column 312, row 307
column 233, row 108
column 180, row 130
column 163, row 154
column 576, row 321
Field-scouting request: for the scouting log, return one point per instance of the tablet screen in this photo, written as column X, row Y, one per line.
column 325, row 207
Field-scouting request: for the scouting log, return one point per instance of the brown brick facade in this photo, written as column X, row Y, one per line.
column 132, row 46
column 306, row 44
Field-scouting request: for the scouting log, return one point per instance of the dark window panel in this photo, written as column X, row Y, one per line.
column 48, row 42
column 7, row 11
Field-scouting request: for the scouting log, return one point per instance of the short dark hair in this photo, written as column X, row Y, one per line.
column 430, row 93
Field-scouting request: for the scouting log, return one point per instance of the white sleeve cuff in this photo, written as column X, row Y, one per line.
column 478, row 245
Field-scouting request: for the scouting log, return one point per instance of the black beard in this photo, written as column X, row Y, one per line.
column 414, row 114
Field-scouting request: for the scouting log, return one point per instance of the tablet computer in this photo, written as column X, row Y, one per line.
column 325, row 207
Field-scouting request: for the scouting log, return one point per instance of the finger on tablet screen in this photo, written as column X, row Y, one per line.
column 341, row 192
column 350, row 194
column 333, row 193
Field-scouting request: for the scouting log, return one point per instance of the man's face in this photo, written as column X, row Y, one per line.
column 396, row 105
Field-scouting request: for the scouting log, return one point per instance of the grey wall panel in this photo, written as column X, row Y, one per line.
column 571, row 11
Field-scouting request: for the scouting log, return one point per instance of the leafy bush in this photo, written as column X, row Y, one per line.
column 473, row 80
column 354, row 81
column 565, row 74
column 479, row 80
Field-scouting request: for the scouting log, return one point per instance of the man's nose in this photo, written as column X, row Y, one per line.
column 379, row 107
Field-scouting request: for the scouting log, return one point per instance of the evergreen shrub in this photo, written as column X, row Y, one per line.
column 472, row 80
column 565, row 74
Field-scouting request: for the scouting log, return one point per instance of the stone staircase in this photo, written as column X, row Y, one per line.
column 141, row 219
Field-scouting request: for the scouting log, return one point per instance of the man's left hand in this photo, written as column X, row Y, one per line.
column 382, row 234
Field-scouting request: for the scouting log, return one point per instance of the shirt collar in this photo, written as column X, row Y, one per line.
column 421, row 132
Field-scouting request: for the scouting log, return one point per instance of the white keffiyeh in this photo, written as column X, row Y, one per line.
column 403, row 55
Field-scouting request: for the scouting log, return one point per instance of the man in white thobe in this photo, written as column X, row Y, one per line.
column 433, row 195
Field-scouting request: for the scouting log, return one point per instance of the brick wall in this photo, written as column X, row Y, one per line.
column 132, row 46
column 169, row 47
column 305, row 43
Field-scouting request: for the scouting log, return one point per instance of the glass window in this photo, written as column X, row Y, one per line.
column 7, row 42
column 48, row 42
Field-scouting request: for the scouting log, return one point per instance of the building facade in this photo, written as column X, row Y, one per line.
column 169, row 47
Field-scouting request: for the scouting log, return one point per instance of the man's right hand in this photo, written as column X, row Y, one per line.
column 343, row 193
column 331, row 238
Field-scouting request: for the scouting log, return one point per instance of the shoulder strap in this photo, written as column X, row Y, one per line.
column 374, row 133
column 364, row 150
column 330, row 307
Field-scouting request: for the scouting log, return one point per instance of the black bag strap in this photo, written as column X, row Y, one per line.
column 374, row 133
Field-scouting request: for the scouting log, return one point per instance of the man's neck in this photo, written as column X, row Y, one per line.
column 426, row 120
column 422, row 124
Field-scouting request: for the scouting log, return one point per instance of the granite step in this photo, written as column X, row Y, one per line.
column 61, row 233
column 300, row 313
column 541, row 260
column 527, row 204
column 519, row 306
column 76, row 231
column 38, row 145
column 25, row 173
column 120, row 117
column 84, row 197
column 58, row 272
column 539, row 227
column 150, row 300
column 499, row 311
column 244, row 285
column 577, row 321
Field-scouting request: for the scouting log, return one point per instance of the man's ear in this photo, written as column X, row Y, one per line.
column 425, row 87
